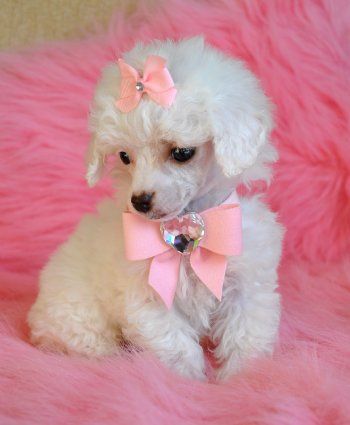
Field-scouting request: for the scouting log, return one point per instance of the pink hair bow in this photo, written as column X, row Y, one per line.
column 156, row 81
column 222, row 238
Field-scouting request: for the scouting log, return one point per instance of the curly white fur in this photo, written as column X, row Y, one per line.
column 90, row 296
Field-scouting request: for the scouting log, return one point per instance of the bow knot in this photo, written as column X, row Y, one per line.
column 222, row 238
column 155, row 81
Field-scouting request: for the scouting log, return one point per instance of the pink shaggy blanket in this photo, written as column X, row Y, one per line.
column 301, row 52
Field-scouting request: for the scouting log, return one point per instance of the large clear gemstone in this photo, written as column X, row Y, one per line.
column 183, row 233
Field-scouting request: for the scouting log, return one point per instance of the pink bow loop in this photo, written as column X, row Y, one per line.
column 218, row 238
column 156, row 82
column 223, row 238
column 142, row 238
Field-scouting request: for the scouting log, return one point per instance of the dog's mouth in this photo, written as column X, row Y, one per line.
column 159, row 215
column 162, row 216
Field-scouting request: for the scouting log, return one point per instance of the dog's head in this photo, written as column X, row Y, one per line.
column 216, row 130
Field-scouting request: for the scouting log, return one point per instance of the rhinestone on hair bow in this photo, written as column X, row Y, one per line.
column 156, row 82
column 208, row 238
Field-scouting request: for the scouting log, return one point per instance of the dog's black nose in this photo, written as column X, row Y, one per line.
column 142, row 202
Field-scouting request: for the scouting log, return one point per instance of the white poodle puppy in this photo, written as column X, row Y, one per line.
column 170, row 160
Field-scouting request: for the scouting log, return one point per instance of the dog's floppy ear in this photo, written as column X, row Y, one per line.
column 94, row 163
column 241, row 119
column 237, row 143
column 101, row 123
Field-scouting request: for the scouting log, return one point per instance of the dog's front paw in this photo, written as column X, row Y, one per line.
column 86, row 333
column 192, row 370
column 84, row 344
column 227, row 369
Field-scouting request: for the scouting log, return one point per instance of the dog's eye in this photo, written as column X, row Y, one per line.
column 124, row 157
column 182, row 154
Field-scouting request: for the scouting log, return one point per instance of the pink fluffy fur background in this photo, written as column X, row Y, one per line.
column 300, row 50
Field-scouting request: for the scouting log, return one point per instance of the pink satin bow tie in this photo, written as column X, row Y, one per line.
column 222, row 238
column 156, row 82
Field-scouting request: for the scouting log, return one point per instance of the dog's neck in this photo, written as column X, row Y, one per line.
column 215, row 196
